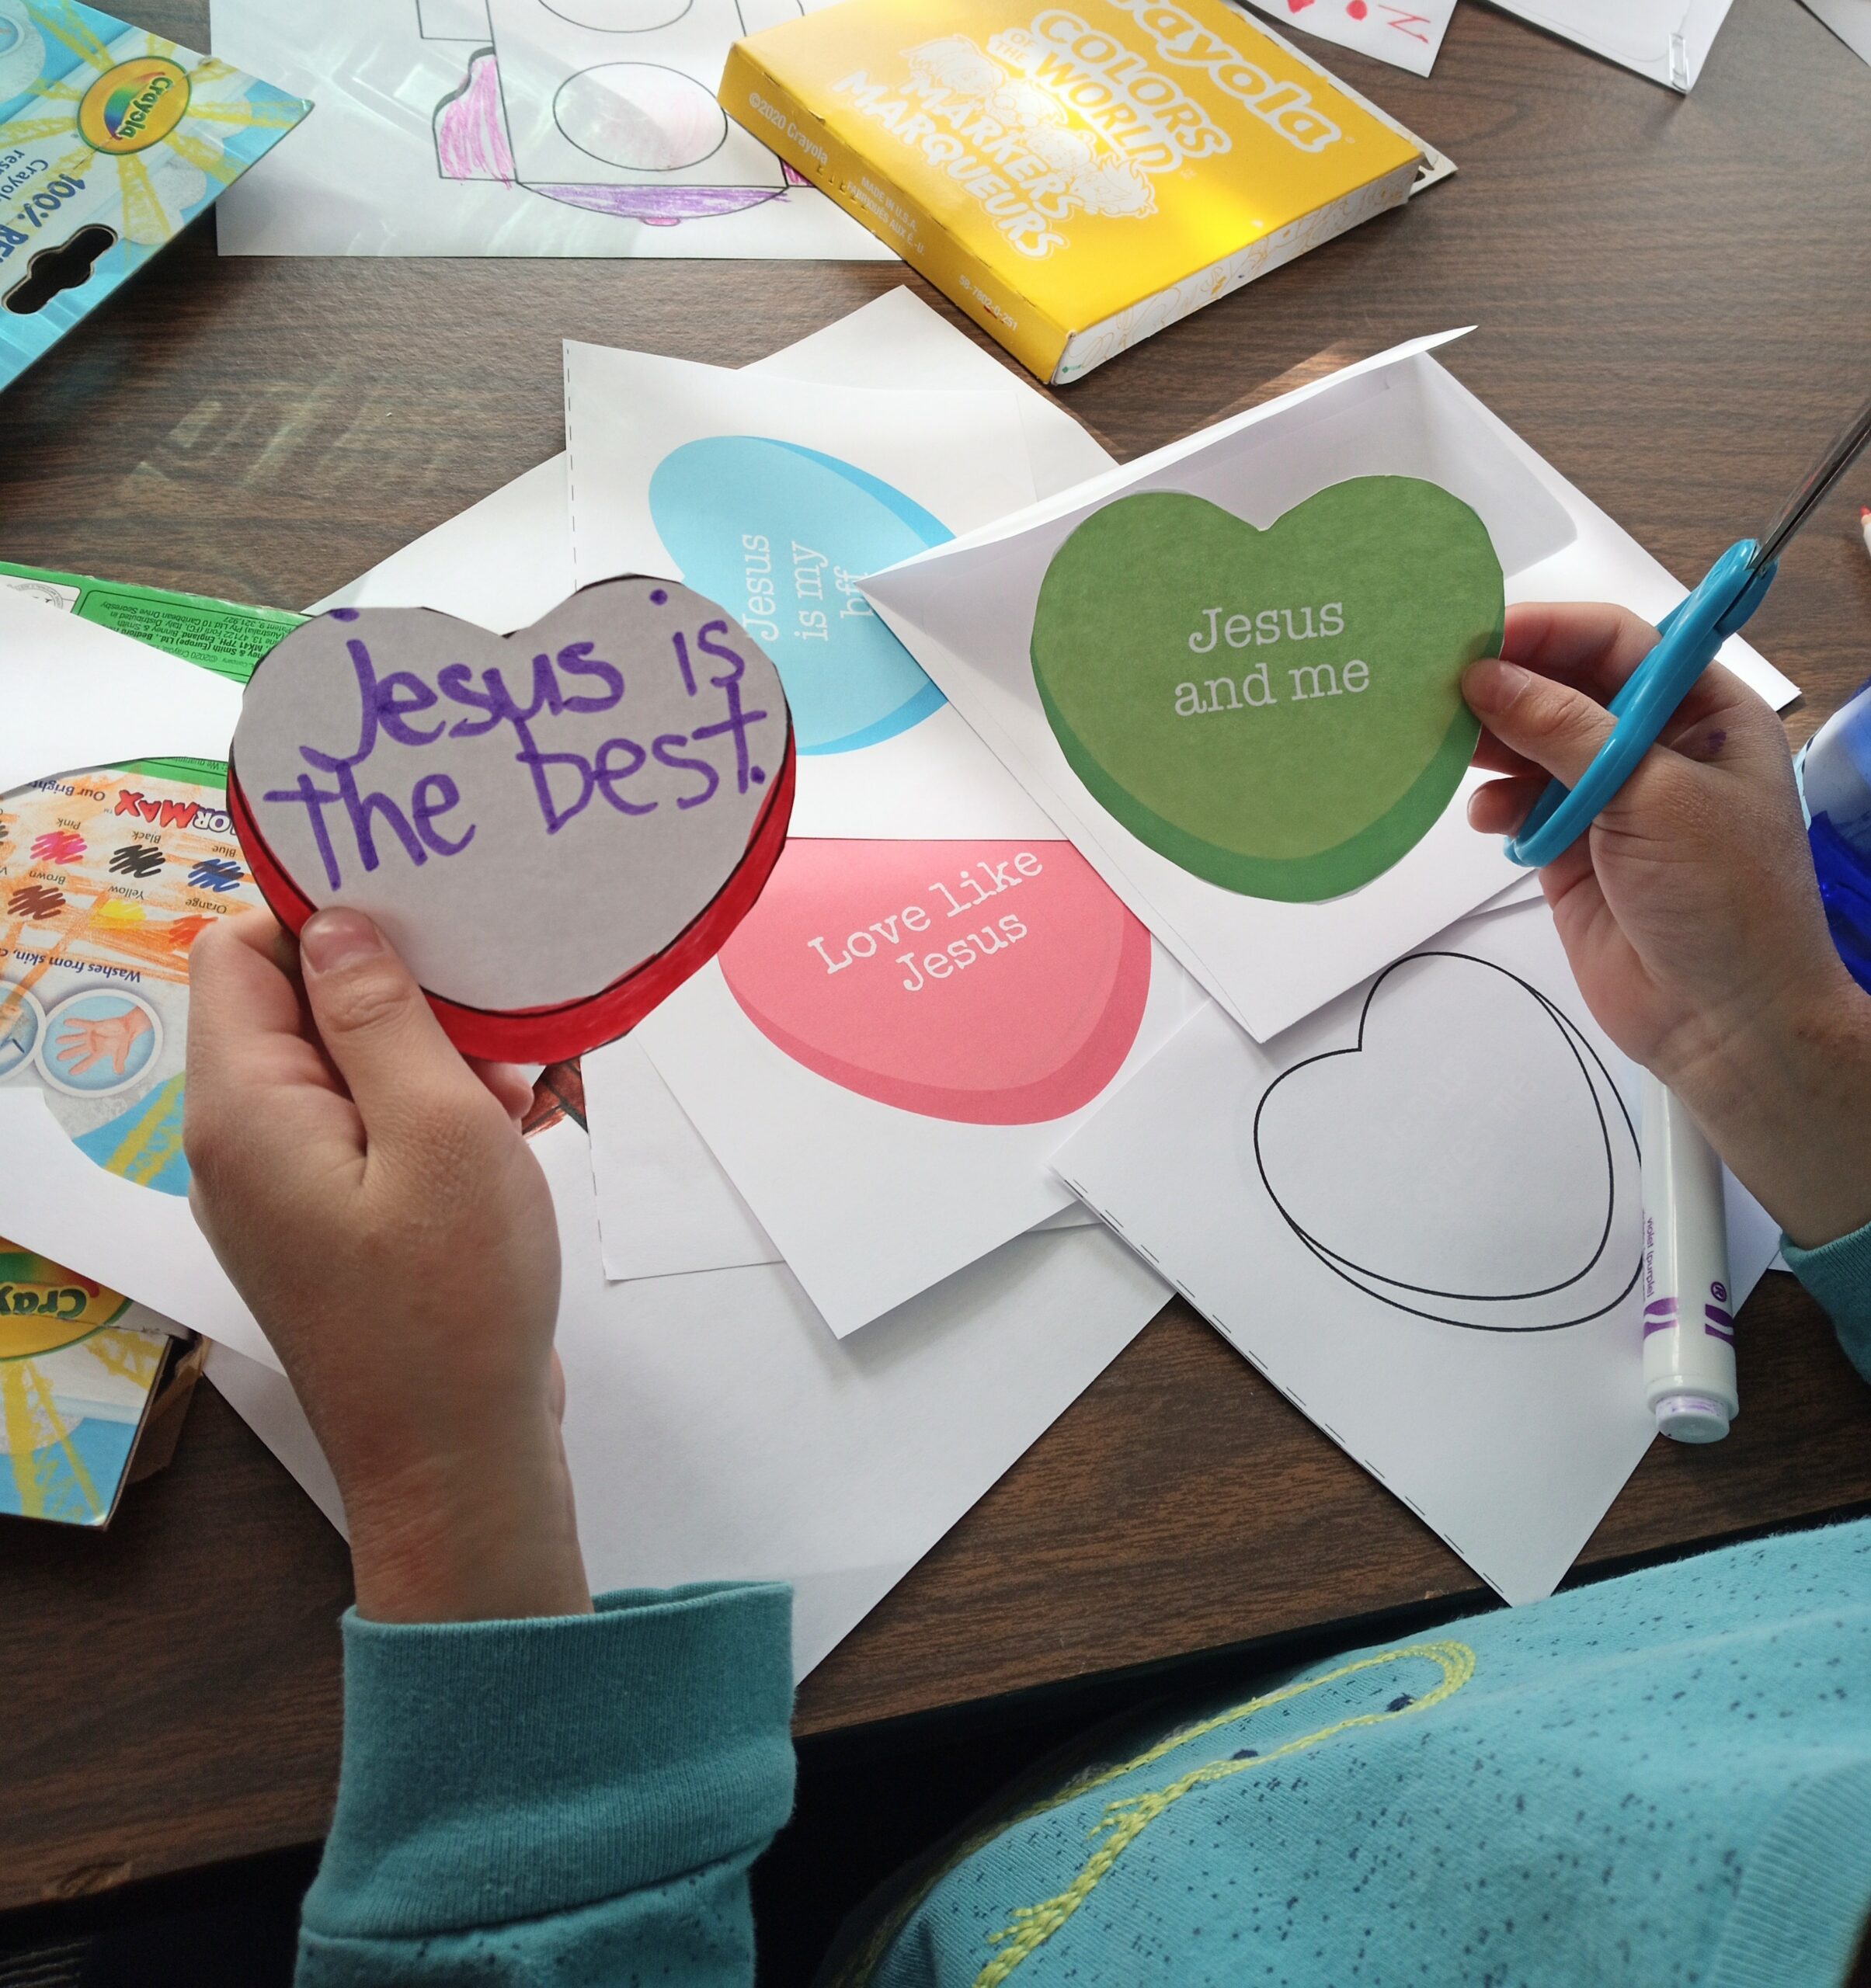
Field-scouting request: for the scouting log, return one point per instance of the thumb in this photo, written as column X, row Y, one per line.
column 377, row 1028
column 1551, row 723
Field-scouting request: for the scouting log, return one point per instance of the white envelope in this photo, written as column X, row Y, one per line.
column 966, row 611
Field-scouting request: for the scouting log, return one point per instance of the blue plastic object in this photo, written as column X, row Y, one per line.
column 1687, row 642
column 1835, row 784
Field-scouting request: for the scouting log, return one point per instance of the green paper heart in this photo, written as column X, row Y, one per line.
column 1272, row 763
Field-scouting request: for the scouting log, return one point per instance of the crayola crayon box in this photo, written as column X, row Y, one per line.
column 1074, row 178
column 92, row 1388
column 111, row 141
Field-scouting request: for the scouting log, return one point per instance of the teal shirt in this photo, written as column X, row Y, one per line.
column 1663, row 1778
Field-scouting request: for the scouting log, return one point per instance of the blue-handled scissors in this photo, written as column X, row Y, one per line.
column 1686, row 639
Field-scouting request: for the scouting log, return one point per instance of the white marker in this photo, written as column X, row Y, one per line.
column 1688, row 1323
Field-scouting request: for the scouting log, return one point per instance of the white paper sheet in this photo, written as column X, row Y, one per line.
column 1850, row 20
column 492, row 127
column 771, row 500
column 886, row 1126
column 76, row 695
column 717, row 1431
column 262, row 1396
column 1668, row 40
column 508, row 559
column 55, row 1200
column 1408, row 36
column 897, row 340
column 666, row 1207
column 1420, row 1216
column 967, row 610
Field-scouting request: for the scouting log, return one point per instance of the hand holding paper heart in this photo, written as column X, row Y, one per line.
column 554, row 829
column 1278, row 712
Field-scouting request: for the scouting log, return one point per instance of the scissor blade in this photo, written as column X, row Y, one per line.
column 1818, row 480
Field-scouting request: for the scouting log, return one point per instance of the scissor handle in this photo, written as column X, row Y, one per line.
column 1687, row 640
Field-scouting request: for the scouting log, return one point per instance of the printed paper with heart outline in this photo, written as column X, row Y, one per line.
column 1452, row 1129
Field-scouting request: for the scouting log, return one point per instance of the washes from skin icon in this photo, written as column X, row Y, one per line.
column 112, row 1045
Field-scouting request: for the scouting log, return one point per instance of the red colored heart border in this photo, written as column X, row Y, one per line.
column 553, row 1034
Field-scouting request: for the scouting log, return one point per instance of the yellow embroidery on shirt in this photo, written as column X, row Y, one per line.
column 1125, row 1820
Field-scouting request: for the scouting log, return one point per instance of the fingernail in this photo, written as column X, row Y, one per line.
column 332, row 940
column 1493, row 685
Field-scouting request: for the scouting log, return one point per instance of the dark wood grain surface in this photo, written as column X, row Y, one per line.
column 1673, row 304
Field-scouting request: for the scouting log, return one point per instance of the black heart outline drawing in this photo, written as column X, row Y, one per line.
column 1343, row 1267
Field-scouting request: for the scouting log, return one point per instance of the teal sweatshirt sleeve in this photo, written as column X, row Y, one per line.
column 1838, row 1274
column 576, row 1799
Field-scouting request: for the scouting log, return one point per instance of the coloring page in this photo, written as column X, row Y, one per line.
column 1419, row 1215
column 519, row 127
column 887, row 1052
column 1407, row 37
column 987, row 618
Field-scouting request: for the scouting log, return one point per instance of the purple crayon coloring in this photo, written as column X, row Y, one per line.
column 1689, row 1325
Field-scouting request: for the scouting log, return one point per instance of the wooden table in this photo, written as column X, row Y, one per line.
column 1674, row 299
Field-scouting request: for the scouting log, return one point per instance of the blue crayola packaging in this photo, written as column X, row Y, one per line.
column 111, row 140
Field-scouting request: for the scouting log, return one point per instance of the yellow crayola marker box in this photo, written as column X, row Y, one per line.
column 1075, row 178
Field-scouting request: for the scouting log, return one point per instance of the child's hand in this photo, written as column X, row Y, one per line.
column 370, row 1195
column 1689, row 911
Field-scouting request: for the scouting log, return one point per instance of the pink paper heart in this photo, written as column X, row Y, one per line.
column 992, row 983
